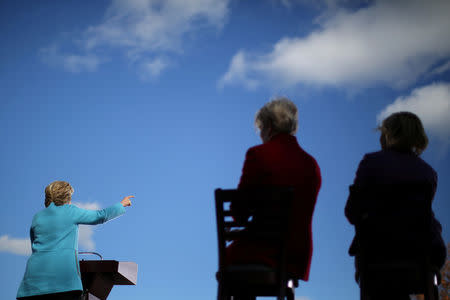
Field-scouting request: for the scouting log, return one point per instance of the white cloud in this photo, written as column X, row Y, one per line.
column 86, row 237
column 70, row 62
column 78, row 63
column 151, row 25
column 88, row 205
column 431, row 103
column 389, row 42
column 302, row 298
column 15, row 246
column 238, row 72
column 86, row 232
column 152, row 68
column 329, row 4
column 143, row 28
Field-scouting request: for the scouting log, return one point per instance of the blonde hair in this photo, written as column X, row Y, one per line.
column 404, row 131
column 281, row 114
column 58, row 192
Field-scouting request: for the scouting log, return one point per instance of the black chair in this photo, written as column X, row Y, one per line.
column 265, row 218
column 393, row 234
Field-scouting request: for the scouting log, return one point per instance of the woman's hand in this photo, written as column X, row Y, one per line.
column 126, row 201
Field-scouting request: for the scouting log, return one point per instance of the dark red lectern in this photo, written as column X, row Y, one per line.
column 99, row 276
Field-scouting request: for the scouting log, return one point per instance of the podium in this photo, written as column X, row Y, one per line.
column 99, row 277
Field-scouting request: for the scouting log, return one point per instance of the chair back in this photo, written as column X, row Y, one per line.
column 262, row 214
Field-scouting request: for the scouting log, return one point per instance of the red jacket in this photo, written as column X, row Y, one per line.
column 282, row 162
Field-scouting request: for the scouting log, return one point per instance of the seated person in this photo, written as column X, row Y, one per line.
column 53, row 270
column 402, row 141
column 280, row 161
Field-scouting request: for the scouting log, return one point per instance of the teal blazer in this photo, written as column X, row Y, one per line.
column 53, row 265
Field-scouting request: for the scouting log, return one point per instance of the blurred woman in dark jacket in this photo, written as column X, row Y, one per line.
column 402, row 141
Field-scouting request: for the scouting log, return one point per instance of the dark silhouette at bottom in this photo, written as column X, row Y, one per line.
column 267, row 225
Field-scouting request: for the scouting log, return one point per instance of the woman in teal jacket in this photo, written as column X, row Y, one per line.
column 53, row 271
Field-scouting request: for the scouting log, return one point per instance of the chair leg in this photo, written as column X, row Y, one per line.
column 282, row 294
column 436, row 293
column 290, row 294
column 221, row 292
column 363, row 293
column 429, row 287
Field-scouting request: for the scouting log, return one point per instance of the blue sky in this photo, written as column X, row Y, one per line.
column 157, row 99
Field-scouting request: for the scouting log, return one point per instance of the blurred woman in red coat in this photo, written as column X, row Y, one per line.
column 280, row 161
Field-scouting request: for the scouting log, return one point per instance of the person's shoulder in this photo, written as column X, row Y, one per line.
column 42, row 213
column 73, row 208
column 68, row 210
column 266, row 149
column 432, row 172
column 305, row 155
column 308, row 157
column 372, row 161
column 423, row 162
column 257, row 149
column 375, row 155
column 38, row 215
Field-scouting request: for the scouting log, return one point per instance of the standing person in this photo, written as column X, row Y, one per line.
column 53, row 270
column 402, row 141
column 280, row 161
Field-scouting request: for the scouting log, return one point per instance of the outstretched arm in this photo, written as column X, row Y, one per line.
column 93, row 217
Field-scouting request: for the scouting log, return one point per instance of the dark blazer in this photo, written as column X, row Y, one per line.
column 390, row 167
column 282, row 162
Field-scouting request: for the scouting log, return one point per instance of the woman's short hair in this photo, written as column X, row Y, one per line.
column 58, row 192
column 404, row 131
column 280, row 114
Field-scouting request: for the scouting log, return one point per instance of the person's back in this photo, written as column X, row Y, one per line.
column 407, row 179
column 391, row 166
column 52, row 269
column 53, row 228
column 280, row 161
column 54, row 241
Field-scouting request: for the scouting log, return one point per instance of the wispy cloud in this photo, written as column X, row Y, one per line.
column 140, row 26
column 328, row 4
column 431, row 103
column 302, row 298
column 238, row 73
column 87, row 205
column 390, row 42
column 144, row 31
column 152, row 68
column 15, row 246
column 70, row 62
